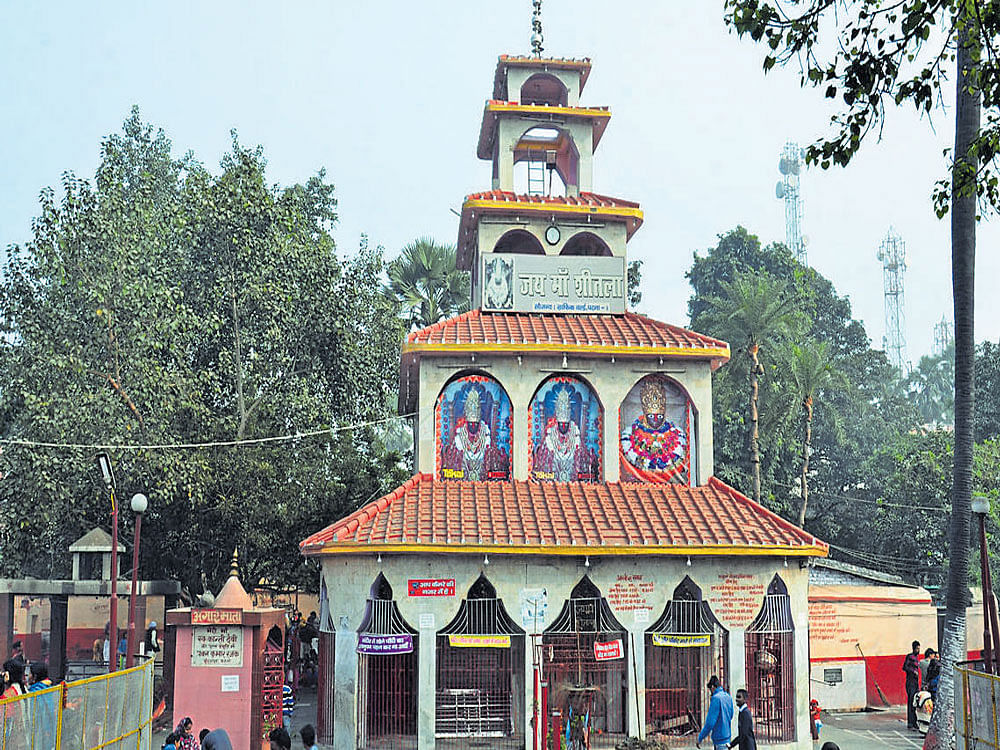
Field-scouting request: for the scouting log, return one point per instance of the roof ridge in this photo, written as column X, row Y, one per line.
column 784, row 523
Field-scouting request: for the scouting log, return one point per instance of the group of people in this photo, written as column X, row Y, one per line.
column 719, row 720
column 19, row 677
column 101, row 650
column 922, row 677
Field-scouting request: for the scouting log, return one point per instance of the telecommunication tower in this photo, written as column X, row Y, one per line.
column 944, row 335
column 790, row 165
column 892, row 253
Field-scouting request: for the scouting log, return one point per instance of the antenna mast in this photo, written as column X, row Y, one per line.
column 790, row 165
column 892, row 253
column 944, row 335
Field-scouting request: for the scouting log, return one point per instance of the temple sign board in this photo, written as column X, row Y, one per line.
column 543, row 284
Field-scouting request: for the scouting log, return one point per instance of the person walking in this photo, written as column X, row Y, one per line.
column 911, row 667
column 15, row 717
column 933, row 673
column 745, row 738
column 151, row 642
column 719, row 721
column 217, row 739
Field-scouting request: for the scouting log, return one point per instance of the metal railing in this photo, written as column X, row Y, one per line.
column 976, row 695
column 113, row 711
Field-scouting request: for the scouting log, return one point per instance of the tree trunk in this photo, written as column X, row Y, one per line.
column 754, row 434
column 963, row 265
column 806, row 445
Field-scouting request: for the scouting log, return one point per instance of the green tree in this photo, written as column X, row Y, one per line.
column 634, row 278
column 931, row 385
column 165, row 304
column 426, row 283
column 987, row 414
column 755, row 311
column 883, row 53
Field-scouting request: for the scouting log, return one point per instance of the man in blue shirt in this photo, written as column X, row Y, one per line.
column 720, row 716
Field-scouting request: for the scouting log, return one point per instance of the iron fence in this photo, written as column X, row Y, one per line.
column 976, row 708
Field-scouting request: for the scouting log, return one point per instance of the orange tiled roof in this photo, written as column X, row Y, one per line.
column 584, row 206
column 542, row 63
column 428, row 515
column 598, row 117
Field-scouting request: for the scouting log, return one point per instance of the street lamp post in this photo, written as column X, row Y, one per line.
column 991, row 629
column 139, row 504
column 107, row 472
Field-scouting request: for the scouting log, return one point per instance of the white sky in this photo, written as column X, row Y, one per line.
column 388, row 97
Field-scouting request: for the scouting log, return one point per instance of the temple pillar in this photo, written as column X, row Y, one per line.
column 58, row 617
column 426, row 689
column 6, row 625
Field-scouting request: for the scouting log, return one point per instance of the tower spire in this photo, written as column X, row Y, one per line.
column 536, row 28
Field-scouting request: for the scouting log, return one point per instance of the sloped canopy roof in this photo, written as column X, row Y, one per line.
column 542, row 64
column 428, row 515
column 95, row 540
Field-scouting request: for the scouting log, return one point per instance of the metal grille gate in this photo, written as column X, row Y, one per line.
column 387, row 683
column 684, row 647
column 480, row 675
column 770, row 640
column 590, row 695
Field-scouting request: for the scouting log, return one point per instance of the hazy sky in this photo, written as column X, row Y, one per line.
column 388, row 97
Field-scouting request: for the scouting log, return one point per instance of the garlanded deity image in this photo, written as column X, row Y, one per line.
column 474, row 430
column 655, row 419
column 566, row 432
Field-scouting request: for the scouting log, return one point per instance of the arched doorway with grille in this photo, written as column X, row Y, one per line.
column 770, row 641
column 585, row 653
column 684, row 647
column 480, row 675
column 387, row 674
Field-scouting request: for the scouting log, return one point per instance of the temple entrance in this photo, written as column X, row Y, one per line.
column 585, row 657
column 480, row 675
column 387, row 674
column 770, row 640
column 684, row 647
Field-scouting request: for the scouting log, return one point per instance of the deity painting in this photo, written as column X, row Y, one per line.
column 565, row 421
column 473, row 428
column 655, row 424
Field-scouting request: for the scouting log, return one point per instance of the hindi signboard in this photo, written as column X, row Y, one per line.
column 458, row 640
column 431, row 587
column 682, row 641
column 216, row 617
column 375, row 644
column 216, row 646
column 609, row 650
column 557, row 284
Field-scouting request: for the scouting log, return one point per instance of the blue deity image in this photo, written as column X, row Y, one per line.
column 565, row 422
column 473, row 429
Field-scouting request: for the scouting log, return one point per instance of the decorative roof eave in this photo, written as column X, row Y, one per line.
column 596, row 550
column 542, row 63
column 598, row 116
column 586, row 206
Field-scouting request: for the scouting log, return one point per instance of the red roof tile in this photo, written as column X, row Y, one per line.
column 430, row 515
column 585, row 206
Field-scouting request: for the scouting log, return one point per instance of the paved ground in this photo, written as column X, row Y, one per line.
column 875, row 729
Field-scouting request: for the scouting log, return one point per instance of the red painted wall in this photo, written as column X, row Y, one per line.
column 888, row 672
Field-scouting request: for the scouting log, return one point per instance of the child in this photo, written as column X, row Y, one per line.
column 814, row 721
column 309, row 737
column 171, row 742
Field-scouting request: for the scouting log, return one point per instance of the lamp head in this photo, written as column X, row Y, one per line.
column 980, row 504
column 107, row 472
column 139, row 503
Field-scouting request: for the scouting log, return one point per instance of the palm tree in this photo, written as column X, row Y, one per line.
column 755, row 310
column 427, row 284
column 812, row 372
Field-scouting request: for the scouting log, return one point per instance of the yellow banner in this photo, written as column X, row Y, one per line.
column 479, row 641
column 682, row 641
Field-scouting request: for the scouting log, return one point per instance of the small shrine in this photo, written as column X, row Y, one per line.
column 563, row 564
column 228, row 664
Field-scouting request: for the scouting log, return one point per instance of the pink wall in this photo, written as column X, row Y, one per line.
column 198, row 691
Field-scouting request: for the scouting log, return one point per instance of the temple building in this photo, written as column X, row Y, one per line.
column 563, row 564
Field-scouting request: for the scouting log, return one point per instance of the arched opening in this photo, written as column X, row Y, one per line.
column 544, row 88
column 473, row 418
column 684, row 647
column 480, row 673
column 770, row 666
column 519, row 241
column 656, row 427
column 546, row 162
column 586, row 243
column 387, row 674
column 585, row 657
column 565, row 419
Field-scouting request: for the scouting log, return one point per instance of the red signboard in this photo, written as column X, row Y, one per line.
column 216, row 617
column 610, row 650
column 431, row 587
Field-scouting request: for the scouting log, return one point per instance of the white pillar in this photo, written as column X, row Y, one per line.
column 426, row 686
column 345, row 680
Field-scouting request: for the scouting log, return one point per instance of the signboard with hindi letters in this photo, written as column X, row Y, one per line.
column 609, row 650
column 553, row 284
column 682, row 641
column 478, row 641
column 377, row 644
column 216, row 617
column 216, row 646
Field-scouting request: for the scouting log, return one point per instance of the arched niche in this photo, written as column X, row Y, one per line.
column 520, row 242
column 550, row 149
column 685, row 646
column 544, row 88
column 566, row 426
column 586, row 244
column 473, row 429
column 656, row 423
column 770, row 665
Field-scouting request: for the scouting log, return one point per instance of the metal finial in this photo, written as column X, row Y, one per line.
column 234, row 565
column 536, row 28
